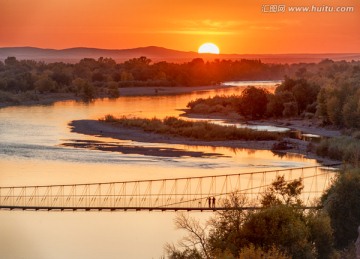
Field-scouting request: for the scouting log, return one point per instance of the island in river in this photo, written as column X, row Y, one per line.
column 106, row 129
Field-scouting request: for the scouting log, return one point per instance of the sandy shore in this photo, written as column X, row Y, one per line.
column 303, row 125
column 151, row 91
column 103, row 129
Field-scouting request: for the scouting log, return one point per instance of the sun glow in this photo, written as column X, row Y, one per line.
column 210, row 48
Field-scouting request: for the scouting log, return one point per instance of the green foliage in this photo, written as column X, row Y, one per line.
column 321, row 233
column 280, row 226
column 187, row 253
column 283, row 193
column 226, row 234
column 278, row 230
column 198, row 130
column 26, row 75
column 11, row 98
column 217, row 104
column 84, row 89
column 338, row 102
column 45, row 85
column 342, row 203
column 253, row 102
column 252, row 252
column 277, row 101
column 113, row 90
column 87, row 92
column 304, row 92
column 343, row 148
column 331, row 89
column 6, row 97
column 290, row 109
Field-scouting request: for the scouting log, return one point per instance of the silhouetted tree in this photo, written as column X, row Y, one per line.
column 253, row 102
column 342, row 203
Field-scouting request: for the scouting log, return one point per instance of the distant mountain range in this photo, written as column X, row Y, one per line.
column 156, row 54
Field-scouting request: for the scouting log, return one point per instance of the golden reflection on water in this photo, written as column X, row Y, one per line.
column 48, row 125
column 31, row 136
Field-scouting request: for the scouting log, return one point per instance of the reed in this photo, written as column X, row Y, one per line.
column 198, row 130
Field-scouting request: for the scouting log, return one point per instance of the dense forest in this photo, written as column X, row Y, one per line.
column 90, row 78
column 329, row 91
column 93, row 78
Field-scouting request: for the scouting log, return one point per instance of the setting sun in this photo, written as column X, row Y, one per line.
column 209, row 48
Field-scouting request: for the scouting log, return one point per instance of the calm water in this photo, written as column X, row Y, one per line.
column 31, row 154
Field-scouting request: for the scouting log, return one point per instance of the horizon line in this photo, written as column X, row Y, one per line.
column 195, row 52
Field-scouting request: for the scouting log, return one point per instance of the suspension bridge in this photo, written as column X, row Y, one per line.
column 205, row 193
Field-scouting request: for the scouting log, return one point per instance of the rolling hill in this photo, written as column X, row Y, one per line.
column 156, row 54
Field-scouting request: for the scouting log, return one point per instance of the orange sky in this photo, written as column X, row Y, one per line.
column 236, row 26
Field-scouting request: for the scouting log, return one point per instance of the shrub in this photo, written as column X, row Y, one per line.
column 342, row 203
column 342, row 148
column 199, row 130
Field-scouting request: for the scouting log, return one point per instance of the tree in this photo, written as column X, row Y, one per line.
column 44, row 84
column 283, row 193
column 226, row 227
column 61, row 77
column 252, row 252
column 290, row 109
column 321, row 109
column 281, row 226
column 276, row 103
column 342, row 203
column 195, row 243
column 88, row 92
column 333, row 106
column 253, row 102
column 304, row 93
column 11, row 61
column 113, row 90
column 321, row 231
column 98, row 77
column 350, row 114
column 84, row 89
column 278, row 230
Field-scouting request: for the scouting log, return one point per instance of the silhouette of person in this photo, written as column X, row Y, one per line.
column 209, row 199
column 213, row 202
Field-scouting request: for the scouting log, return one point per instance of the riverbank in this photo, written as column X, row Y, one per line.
column 103, row 129
column 306, row 126
column 48, row 99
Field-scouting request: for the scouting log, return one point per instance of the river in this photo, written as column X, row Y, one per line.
column 31, row 154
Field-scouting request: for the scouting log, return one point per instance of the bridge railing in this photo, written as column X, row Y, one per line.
column 191, row 192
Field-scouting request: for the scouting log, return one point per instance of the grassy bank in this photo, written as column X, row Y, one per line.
column 8, row 98
column 345, row 148
column 217, row 104
column 197, row 130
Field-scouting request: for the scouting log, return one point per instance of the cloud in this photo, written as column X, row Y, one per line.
column 222, row 27
column 203, row 27
column 198, row 32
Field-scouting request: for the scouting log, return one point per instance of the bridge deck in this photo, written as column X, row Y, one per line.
column 35, row 208
column 178, row 194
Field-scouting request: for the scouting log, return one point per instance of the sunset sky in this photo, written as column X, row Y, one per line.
column 236, row 26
